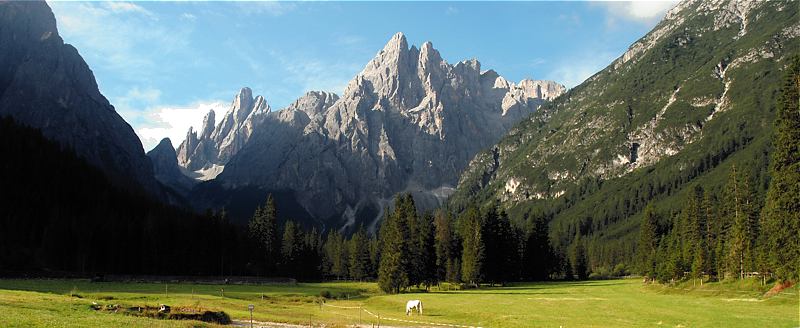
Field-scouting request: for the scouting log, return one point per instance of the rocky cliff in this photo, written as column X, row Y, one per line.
column 45, row 84
column 409, row 121
column 206, row 151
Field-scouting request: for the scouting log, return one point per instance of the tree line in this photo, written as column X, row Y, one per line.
column 732, row 234
column 409, row 250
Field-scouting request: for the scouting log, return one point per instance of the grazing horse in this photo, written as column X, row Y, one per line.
column 413, row 304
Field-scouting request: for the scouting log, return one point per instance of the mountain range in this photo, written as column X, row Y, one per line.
column 688, row 101
column 408, row 122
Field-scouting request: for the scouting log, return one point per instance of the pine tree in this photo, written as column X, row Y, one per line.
column 263, row 231
column 473, row 251
column 712, row 234
column 741, row 237
column 291, row 248
column 359, row 255
column 538, row 258
column 578, row 258
column 781, row 215
column 648, row 243
column 426, row 251
column 336, row 254
column 393, row 275
column 444, row 243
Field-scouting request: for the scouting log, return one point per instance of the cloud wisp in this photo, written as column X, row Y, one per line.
column 174, row 121
column 641, row 11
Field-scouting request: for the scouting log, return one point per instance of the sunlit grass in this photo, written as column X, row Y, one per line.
column 610, row 303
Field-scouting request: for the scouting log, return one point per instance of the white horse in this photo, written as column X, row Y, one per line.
column 413, row 304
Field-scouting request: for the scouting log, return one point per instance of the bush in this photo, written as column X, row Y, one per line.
column 326, row 294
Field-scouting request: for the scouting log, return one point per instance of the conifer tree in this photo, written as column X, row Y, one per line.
column 444, row 244
column 291, row 246
column 263, row 231
column 393, row 275
column 578, row 258
column 741, row 237
column 781, row 215
column 426, row 249
column 359, row 255
column 538, row 256
column 648, row 243
column 473, row 251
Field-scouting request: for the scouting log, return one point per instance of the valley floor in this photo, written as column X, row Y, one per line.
column 608, row 303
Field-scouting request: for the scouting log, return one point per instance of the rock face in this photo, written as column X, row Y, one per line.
column 215, row 145
column 408, row 122
column 45, row 84
column 167, row 171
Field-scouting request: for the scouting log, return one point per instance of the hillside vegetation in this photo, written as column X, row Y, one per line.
column 688, row 102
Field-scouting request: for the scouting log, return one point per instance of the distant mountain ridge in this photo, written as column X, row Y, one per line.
column 408, row 122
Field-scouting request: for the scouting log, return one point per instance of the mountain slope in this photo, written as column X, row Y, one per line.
column 683, row 104
column 167, row 171
column 408, row 122
column 45, row 84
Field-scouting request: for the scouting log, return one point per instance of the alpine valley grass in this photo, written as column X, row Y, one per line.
column 607, row 303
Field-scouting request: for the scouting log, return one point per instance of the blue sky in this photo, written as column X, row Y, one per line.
column 163, row 65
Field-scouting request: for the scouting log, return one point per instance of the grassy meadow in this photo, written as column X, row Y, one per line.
column 607, row 303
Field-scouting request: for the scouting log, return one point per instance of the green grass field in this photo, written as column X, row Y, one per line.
column 609, row 303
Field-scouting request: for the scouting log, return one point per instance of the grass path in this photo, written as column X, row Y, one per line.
column 611, row 303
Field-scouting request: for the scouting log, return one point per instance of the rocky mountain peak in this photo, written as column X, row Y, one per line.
column 214, row 145
column 164, row 147
column 208, row 125
column 165, row 166
column 409, row 121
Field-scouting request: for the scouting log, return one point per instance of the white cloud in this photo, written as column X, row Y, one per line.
column 188, row 17
column 274, row 8
column 573, row 71
column 128, row 7
column 174, row 121
column 644, row 11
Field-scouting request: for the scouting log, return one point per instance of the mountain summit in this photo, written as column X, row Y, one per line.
column 408, row 122
column 207, row 152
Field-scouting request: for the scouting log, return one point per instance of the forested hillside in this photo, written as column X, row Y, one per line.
column 685, row 105
column 58, row 213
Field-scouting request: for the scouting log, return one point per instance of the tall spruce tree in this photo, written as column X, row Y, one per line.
column 741, row 237
column 291, row 247
column 473, row 250
column 263, row 231
column 393, row 272
column 359, row 254
column 648, row 243
column 444, row 244
column 426, row 250
column 781, row 215
column 537, row 256
column 578, row 258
